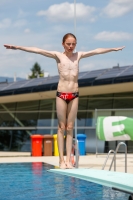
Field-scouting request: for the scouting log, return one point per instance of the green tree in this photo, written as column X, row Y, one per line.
column 36, row 71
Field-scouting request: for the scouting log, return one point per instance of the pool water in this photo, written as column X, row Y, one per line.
column 31, row 181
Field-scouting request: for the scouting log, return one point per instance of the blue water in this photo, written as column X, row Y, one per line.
column 31, row 181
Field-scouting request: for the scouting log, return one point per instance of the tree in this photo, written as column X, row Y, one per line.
column 36, row 71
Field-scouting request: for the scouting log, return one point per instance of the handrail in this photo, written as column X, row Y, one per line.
column 111, row 151
column 76, row 153
column 114, row 157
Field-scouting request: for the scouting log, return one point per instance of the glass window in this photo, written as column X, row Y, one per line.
column 21, row 140
column 47, row 104
column 5, row 140
column 126, row 94
column 123, row 103
column 44, row 119
column 103, row 113
column 84, row 118
column 83, row 103
column 130, row 146
column 47, row 131
column 102, row 96
column 126, row 113
column 28, row 106
column 100, row 104
column 2, row 107
column 80, row 131
column 8, row 106
column 55, row 119
column 81, row 116
column 15, row 140
column 26, row 119
column 47, row 119
column 7, row 119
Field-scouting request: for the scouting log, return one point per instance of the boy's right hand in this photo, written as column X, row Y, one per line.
column 9, row 46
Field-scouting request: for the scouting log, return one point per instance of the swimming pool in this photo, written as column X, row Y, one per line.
column 31, row 181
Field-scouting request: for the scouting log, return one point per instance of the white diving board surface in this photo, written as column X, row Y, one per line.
column 119, row 180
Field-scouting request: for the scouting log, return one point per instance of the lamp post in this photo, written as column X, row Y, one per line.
column 75, row 17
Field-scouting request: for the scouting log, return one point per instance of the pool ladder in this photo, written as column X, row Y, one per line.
column 76, row 153
column 114, row 157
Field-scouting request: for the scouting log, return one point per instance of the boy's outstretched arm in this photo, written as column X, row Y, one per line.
column 99, row 51
column 51, row 54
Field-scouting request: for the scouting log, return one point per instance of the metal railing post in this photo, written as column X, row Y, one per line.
column 111, row 151
column 76, row 145
column 95, row 129
column 121, row 143
column 76, row 153
column 114, row 157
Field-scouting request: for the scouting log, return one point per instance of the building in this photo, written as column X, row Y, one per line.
column 28, row 107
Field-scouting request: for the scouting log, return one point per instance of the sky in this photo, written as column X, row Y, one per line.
column 43, row 23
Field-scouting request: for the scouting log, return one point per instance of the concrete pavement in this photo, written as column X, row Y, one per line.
column 88, row 161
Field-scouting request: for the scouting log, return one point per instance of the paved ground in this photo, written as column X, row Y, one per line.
column 88, row 161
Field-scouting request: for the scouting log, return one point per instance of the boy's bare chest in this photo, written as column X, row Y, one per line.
column 67, row 64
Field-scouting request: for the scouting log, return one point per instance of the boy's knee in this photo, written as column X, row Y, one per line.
column 69, row 127
column 61, row 128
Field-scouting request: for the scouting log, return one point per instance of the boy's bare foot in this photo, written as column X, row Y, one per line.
column 62, row 165
column 69, row 165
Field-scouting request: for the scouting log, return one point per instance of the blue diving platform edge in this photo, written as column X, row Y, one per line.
column 123, row 181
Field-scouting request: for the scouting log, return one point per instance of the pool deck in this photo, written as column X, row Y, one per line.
column 90, row 161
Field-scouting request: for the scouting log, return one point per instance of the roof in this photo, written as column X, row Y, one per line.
column 107, row 76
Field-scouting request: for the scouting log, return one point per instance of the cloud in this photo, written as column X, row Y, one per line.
column 113, row 36
column 22, row 14
column 20, row 23
column 5, row 23
column 117, row 8
column 3, row 2
column 27, row 30
column 65, row 11
column 105, row 63
column 87, row 67
column 20, row 61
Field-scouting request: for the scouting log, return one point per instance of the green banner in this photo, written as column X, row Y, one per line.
column 114, row 128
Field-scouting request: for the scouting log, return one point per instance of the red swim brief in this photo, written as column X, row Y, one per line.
column 67, row 97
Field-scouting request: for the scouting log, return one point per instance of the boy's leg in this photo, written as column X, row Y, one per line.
column 61, row 108
column 71, row 115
